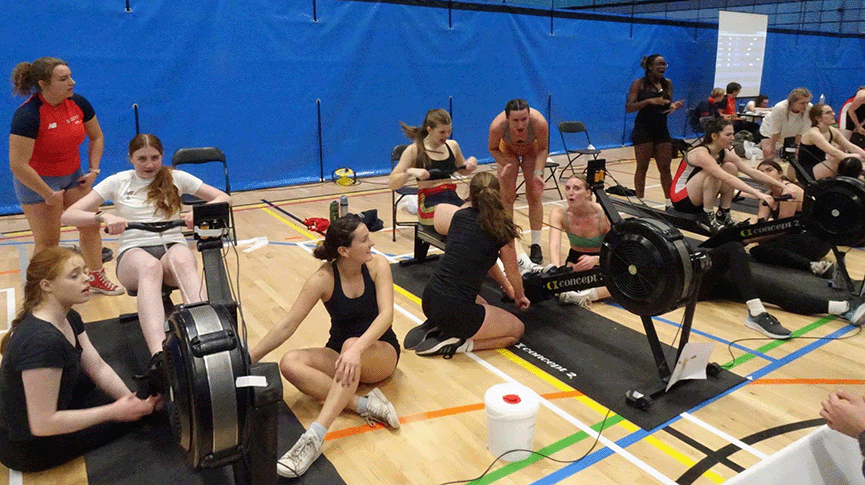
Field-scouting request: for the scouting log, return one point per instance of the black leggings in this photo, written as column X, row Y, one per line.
column 791, row 251
column 730, row 278
column 46, row 452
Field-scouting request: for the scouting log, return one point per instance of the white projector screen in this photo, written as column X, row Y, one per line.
column 741, row 46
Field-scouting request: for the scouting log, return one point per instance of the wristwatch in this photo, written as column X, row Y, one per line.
column 96, row 171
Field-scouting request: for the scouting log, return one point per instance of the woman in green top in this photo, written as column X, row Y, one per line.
column 585, row 224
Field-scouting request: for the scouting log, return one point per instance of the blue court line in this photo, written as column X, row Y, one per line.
column 640, row 434
column 709, row 336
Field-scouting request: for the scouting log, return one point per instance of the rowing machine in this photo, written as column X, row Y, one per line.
column 222, row 409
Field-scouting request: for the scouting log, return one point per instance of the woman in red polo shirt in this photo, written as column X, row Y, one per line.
column 43, row 155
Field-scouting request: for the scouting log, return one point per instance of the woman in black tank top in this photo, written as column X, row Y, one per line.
column 432, row 150
column 822, row 146
column 356, row 288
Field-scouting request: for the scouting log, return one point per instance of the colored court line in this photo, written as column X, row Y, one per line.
column 561, row 444
column 638, row 436
column 844, row 382
column 290, row 224
column 11, row 271
column 355, row 430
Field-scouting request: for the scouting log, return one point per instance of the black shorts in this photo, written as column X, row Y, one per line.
column 574, row 255
column 460, row 319
column 336, row 342
column 685, row 205
column 656, row 133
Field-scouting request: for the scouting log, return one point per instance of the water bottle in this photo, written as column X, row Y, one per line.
column 343, row 206
column 822, row 99
column 334, row 210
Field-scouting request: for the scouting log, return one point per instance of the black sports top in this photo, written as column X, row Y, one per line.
column 446, row 164
column 469, row 254
column 351, row 317
column 811, row 155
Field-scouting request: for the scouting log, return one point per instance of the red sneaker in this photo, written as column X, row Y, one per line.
column 100, row 283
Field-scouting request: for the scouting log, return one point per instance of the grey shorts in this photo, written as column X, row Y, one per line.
column 157, row 251
column 28, row 197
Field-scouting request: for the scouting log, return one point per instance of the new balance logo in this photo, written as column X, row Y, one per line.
column 52, row 125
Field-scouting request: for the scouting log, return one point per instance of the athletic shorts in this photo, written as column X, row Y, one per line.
column 519, row 150
column 453, row 318
column 157, row 251
column 685, row 205
column 574, row 255
column 428, row 199
column 26, row 196
column 388, row 336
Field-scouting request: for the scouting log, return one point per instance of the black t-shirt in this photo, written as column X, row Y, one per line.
column 37, row 344
column 469, row 255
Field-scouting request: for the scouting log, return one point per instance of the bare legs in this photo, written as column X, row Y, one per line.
column 500, row 329
column 140, row 271
column 663, row 154
column 311, row 371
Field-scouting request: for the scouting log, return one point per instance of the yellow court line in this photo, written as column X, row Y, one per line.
column 587, row 401
column 592, row 404
column 291, row 224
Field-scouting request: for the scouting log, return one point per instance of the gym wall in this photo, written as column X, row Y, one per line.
column 270, row 82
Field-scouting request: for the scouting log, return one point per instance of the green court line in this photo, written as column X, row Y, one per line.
column 516, row 466
column 549, row 450
column 776, row 343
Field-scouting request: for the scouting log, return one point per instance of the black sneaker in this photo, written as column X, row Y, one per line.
column 724, row 219
column 767, row 325
column 436, row 344
column 418, row 334
column 707, row 221
column 107, row 255
column 535, row 254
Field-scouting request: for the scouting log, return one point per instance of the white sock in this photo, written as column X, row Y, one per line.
column 838, row 307
column 755, row 307
column 467, row 346
column 593, row 294
column 319, row 430
column 536, row 237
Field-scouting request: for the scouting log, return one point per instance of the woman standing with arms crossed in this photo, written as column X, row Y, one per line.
column 652, row 97
column 43, row 155
column 356, row 288
column 58, row 398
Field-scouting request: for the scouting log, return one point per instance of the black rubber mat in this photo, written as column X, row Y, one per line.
column 590, row 353
column 149, row 454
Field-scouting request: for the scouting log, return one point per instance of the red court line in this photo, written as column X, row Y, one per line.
column 848, row 382
column 333, row 435
column 11, row 271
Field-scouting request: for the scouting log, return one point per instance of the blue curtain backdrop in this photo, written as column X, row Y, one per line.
column 252, row 77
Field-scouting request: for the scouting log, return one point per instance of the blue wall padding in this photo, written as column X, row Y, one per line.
column 247, row 76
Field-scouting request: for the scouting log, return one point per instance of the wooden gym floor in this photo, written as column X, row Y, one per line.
column 440, row 402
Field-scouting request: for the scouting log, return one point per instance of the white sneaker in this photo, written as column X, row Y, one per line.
column 582, row 298
column 300, row 457
column 820, row 268
column 525, row 264
column 379, row 409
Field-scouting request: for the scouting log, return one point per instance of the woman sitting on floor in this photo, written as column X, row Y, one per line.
column 710, row 169
column 585, row 224
column 458, row 319
column 58, row 398
column 823, row 146
column 800, row 250
column 150, row 192
column 432, row 150
column 356, row 288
